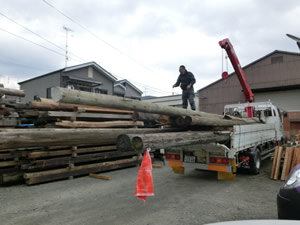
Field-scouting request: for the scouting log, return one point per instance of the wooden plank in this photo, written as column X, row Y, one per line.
column 274, row 162
column 288, row 167
column 49, row 104
column 9, row 122
column 101, row 109
column 8, row 163
column 285, row 162
column 40, row 154
column 86, row 158
column 107, row 124
column 11, row 178
column 156, row 166
column 295, row 157
column 6, row 156
column 45, row 176
column 298, row 156
column 88, row 115
column 278, row 163
column 97, row 176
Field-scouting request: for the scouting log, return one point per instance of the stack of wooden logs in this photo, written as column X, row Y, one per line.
column 8, row 105
column 36, row 151
column 47, row 154
column 76, row 134
column 47, row 113
column 284, row 160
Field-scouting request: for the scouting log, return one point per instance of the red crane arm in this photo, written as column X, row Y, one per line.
column 238, row 69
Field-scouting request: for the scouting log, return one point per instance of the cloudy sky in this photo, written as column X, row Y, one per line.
column 141, row 40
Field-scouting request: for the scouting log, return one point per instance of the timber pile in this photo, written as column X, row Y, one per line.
column 8, row 105
column 47, row 154
column 38, row 165
column 284, row 160
column 204, row 125
column 47, row 113
column 61, row 144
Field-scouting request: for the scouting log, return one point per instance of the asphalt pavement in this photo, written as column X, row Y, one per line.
column 196, row 197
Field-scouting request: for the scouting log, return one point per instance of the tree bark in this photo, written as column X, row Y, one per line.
column 129, row 142
column 81, row 97
column 49, row 104
column 24, row 138
column 213, row 122
column 12, row 92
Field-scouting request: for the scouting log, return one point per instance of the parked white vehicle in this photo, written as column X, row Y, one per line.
column 246, row 147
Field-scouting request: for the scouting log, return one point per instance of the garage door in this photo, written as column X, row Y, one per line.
column 285, row 100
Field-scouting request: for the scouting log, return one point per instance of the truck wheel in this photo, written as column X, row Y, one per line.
column 255, row 162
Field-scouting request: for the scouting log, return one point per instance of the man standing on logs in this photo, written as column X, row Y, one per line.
column 186, row 80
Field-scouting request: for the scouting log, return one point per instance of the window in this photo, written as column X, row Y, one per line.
column 90, row 72
column 101, row 91
column 277, row 59
column 88, row 89
column 48, row 93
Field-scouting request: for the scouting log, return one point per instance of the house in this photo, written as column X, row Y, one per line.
column 274, row 77
column 126, row 89
column 89, row 77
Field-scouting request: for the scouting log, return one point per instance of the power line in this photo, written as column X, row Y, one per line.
column 52, row 43
column 107, row 43
column 20, row 65
column 97, row 37
column 49, row 49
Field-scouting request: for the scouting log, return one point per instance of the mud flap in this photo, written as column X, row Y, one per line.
column 228, row 175
column 178, row 170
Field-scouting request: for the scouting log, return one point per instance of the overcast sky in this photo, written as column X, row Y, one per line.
column 143, row 41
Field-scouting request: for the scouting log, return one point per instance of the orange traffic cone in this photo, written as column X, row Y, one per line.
column 144, row 182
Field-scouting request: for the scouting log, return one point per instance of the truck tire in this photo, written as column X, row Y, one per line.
column 255, row 161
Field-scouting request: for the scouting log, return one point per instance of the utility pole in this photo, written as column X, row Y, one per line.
column 67, row 33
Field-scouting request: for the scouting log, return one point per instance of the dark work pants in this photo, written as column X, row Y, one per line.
column 188, row 95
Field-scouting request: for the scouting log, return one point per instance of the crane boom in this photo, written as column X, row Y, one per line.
column 238, row 69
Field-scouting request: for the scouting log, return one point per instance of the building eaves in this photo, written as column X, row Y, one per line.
column 120, row 85
column 67, row 69
column 44, row 75
column 133, row 86
column 93, row 64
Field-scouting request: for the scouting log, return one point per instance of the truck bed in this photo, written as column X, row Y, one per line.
column 247, row 136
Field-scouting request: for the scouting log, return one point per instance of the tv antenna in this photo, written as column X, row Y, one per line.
column 67, row 34
column 297, row 39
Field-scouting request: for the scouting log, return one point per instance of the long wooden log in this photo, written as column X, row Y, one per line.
column 49, row 104
column 212, row 122
column 45, row 153
column 81, row 97
column 23, row 138
column 129, row 142
column 9, row 178
column 87, row 98
column 86, row 158
column 12, row 92
column 107, row 124
column 45, row 176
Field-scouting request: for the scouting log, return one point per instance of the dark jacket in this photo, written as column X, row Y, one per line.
column 185, row 79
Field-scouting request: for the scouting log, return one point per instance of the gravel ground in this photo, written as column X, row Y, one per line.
column 194, row 198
